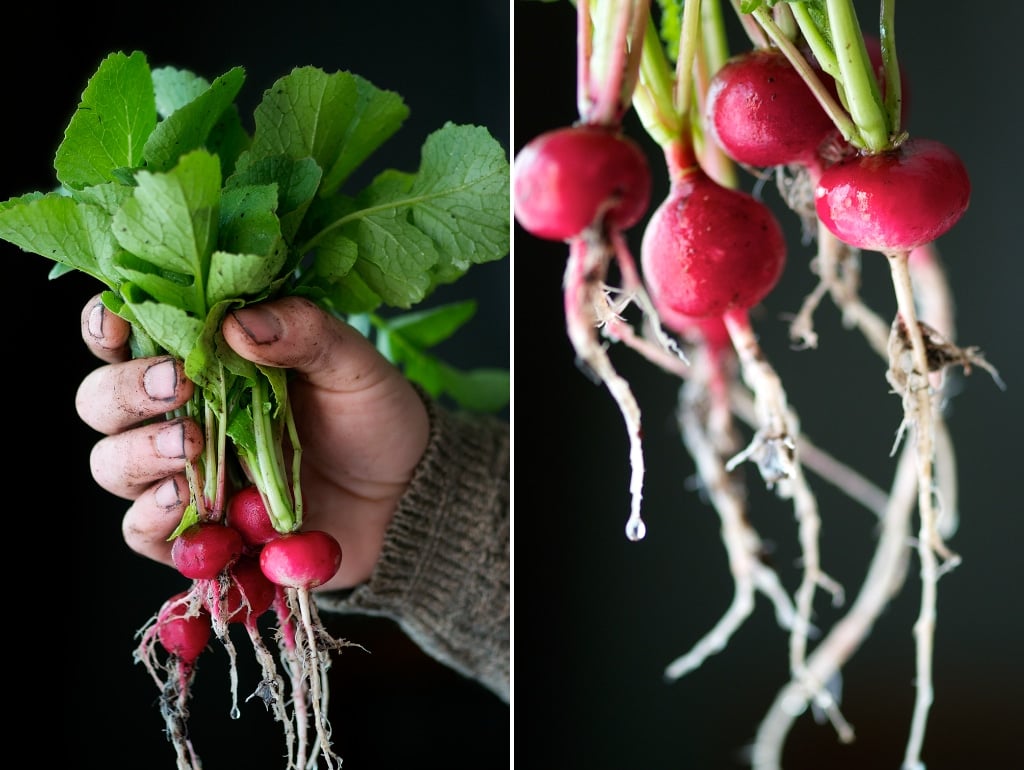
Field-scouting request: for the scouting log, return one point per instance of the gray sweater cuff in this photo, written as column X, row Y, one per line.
column 444, row 572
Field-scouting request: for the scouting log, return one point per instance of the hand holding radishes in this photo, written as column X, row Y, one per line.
column 363, row 427
column 189, row 221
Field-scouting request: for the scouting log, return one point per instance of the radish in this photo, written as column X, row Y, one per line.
column 182, row 628
column 296, row 563
column 249, row 593
column 762, row 113
column 570, row 179
column 587, row 184
column 301, row 560
column 204, row 550
column 709, row 249
column 894, row 201
column 247, row 512
column 184, row 635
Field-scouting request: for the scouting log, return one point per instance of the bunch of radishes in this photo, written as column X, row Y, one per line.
column 241, row 567
column 818, row 103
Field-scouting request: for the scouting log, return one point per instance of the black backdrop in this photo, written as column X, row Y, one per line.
column 72, row 638
column 598, row 618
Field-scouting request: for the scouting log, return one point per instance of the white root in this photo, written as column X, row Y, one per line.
column 775, row 449
column 588, row 308
column 316, row 662
column 271, row 687
column 742, row 543
column 838, row 268
column 885, row 576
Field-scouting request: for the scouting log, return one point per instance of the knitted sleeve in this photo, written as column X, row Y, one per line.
column 444, row 572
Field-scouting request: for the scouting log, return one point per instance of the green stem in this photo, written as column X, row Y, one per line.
column 689, row 39
column 266, row 464
column 890, row 64
column 714, row 54
column 847, row 127
column 653, row 99
column 857, row 76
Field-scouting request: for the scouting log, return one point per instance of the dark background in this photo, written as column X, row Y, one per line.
column 598, row 618
column 78, row 689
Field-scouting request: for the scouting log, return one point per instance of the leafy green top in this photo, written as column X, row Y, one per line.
column 167, row 200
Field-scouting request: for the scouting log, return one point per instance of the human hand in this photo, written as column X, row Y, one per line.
column 362, row 425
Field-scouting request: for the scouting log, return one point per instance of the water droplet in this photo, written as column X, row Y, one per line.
column 636, row 529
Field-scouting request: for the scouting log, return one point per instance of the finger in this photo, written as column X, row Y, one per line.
column 294, row 333
column 351, row 404
column 118, row 396
column 105, row 333
column 154, row 515
column 126, row 464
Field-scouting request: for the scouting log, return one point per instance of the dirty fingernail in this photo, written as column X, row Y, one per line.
column 170, row 442
column 95, row 322
column 261, row 325
column 161, row 380
column 166, row 494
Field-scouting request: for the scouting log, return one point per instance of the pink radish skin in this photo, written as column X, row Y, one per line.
column 573, row 178
column 302, row 560
column 247, row 512
column 894, row 201
column 710, row 331
column 204, row 550
column 762, row 113
column 709, row 249
column 249, row 594
column 184, row 637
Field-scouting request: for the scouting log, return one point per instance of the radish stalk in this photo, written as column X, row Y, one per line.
column 591, row 211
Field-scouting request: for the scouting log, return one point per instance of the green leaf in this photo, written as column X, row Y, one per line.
column 484, row 390
column 296, row 181
column 75, row 235
column 478, row 390
column 175, row 289
column 395, row 258
column 235, row 275
column 304, row 115
column 375, row 117
column 426, row 328
column 248, row 219
column 333, row 279
column 173, row 88
column 462, row 199
column 188, row 127
column 416, row 232
column 171, row 220
column 206, row 359
column 114, row 119
column 172, row 328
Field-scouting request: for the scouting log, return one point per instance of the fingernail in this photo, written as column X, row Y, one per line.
column 161, row 380
column 261, row 325
column 170, row 442
column 96, row 317
column 166, row 494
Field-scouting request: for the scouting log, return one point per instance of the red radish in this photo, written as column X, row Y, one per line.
column 303, row 559
column 762, row 113
column 249, row 593
column 204, row 550
column 710, row 331
column 182, row 635
column 896, row 200
column 247, row 512
column 709, row 249
column 573, row 178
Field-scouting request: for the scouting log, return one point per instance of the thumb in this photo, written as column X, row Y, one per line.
column 294, row 333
